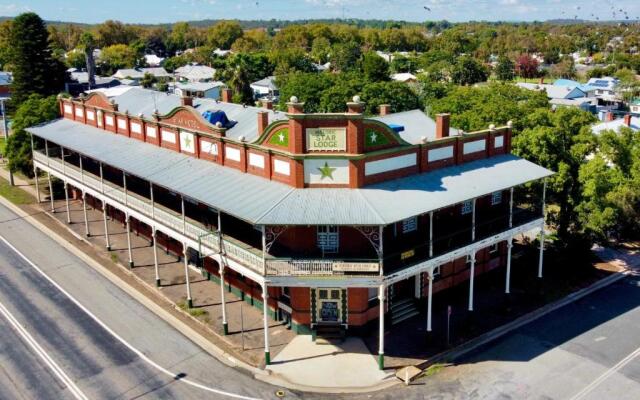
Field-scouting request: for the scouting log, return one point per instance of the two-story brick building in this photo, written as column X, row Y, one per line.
column 329, row 221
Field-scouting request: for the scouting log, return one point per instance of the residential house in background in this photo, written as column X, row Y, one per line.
column 204, row 90
column 195, row 73
column 634, row 106
column 153, row 60
column 136, row 74
column 615, row 124
column 5, row 84
column 404, row 77
column 265, row 88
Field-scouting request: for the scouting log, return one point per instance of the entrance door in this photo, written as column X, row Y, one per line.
column 403, row 290
column 329, row 303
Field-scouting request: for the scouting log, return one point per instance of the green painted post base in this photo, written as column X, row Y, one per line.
column 267, row 358
column 130, row 264
column 190, row 303
column 381, row 361
column 225, row 329
column 157, row 282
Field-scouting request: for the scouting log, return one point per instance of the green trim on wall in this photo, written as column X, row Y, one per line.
column 313, row 306
column 373, row 138
column 300, row 329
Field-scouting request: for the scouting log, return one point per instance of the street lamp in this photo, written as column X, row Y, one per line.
column 6, row 131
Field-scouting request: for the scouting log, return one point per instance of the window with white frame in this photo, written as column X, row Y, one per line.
column 328, row 239
column 493, row 248
column 466, row 207
column 409, row 224
column 496, row 198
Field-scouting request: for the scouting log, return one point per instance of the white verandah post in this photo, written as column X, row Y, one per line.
column 106, row 226
column 66, row 199
column 540, row 260
column 84, row 211
column 381, row 296
column 430, row 299
column 186, row 275
column 265, row 306
column 225, row 327
column 507, row 287
column 472, row 260
column 128, row 227
column 154, row 234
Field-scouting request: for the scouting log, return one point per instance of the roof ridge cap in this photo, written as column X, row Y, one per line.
column 277, row 203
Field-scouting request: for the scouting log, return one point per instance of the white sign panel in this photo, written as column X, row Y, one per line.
column 91, row 116
column 441, row 153
column 79, row 112
column 109, row 120
column 136, row 127
column 326, row 171
column 167, row 136
column 256, row 160
column 68, row 109
column 209, row 148
column 122, row 123
column 152, row 132
column 231, row 153
column 390, row 164
column 326, row 139
column 187, row 142
column 281, row 167
column 100, row 118
column 475, row 146
column 499, row 141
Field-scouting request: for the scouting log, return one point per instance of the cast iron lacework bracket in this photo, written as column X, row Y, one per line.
column 372, row 234
column 271, row 235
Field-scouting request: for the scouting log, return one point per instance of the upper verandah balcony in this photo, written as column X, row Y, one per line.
column 258, row 202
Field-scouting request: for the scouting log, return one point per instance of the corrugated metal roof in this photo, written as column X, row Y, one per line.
column 261, row 201
column 416, row 125
column 144, row 101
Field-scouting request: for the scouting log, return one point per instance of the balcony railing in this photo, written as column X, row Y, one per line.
column 252, row 258
column 232, row 248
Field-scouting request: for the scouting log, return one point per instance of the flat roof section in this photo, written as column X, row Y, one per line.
column 260, row 201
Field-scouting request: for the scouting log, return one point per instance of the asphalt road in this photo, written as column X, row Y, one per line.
column 589, row 349
column 51, row 348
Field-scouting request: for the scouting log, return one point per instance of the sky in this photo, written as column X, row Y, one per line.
column 168, row 11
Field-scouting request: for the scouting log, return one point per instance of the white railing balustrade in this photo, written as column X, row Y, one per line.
column 208, row 239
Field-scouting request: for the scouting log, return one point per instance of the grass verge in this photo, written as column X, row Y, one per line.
column 14, row 194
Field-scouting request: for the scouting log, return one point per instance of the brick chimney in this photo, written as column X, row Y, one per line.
column 294, row 106
column 355, row 106
column 263, row 121
column 186, row 101
column 442, row 125
column 385, row 109
column 627, row 120
column 609, row 116
column 268, row 104
column 226, row 95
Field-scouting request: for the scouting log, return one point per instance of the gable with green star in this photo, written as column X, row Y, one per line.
column 375, row 138
column 280, row 138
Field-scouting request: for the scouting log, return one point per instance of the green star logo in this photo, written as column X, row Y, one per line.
column 187, row 141
column 326, row 171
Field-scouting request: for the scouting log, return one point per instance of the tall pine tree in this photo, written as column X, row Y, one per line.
column 35, row 70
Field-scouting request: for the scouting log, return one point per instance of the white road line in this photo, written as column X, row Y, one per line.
column 55, row 368
column 120, row 339
column 590, row 387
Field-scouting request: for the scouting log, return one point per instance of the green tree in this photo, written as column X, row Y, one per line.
column 33, row 111
column 223, row 34
column 117, row 57
column 34, row 68
column 111, row 33
column 345, row 56
column 306, row 87
column 467, row 71
column 375, row 68
column 148, row 80
column 505, row 70
column 397, row 94
column 560, row 141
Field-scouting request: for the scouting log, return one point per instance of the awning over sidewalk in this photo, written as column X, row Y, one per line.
column 261, row 201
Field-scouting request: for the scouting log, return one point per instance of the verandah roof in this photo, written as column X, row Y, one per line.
column 261, row 201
